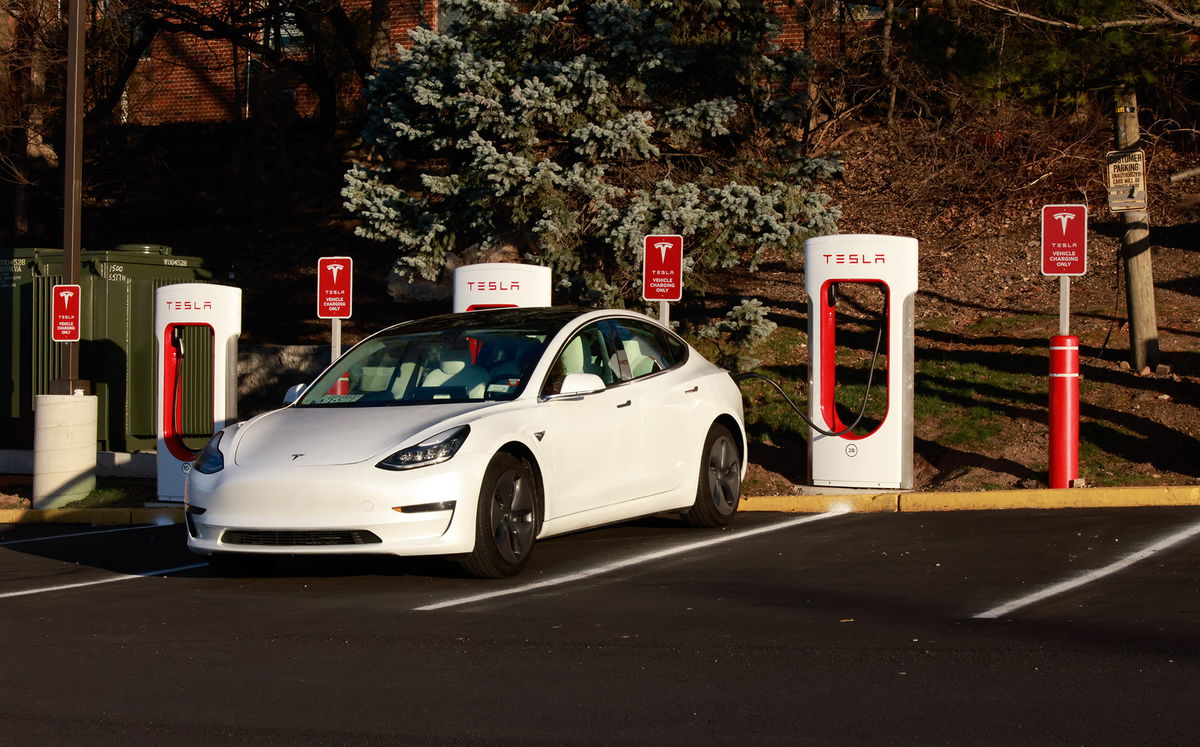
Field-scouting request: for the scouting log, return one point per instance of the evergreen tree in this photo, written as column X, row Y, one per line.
column 1055, row 53
column 583, row 126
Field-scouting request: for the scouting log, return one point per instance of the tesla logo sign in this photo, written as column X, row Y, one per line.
column 188, row 305
column 1064, row 239
column 64, row 326
column 662, row 270
column 335, row 277
column 493, row 285
column 855, row 259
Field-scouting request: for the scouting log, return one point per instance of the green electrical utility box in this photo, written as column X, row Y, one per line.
column 117, row 346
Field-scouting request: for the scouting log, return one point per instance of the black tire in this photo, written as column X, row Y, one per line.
column 507, row 521
column 241, row 564
column 720, row 485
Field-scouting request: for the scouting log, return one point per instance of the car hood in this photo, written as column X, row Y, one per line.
column 322, row 436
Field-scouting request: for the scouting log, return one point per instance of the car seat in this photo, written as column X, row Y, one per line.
column 455, row 369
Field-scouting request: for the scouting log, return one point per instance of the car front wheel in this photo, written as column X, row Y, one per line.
column 720, row 486
column 507, row 520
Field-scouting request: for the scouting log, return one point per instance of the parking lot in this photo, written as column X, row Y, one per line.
column 1077, row 626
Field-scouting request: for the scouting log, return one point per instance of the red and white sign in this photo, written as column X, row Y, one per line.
column 1064, row 239
column 65, row 319
column 335, row 287
column 662, row 269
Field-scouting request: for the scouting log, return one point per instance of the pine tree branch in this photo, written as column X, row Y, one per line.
column 1178, row 16
column 1170, row 16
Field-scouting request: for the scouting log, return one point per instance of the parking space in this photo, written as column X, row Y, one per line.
column 838, row 627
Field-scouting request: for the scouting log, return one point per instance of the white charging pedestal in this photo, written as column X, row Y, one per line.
column 882, row 458
column 218, row 308
column 500, row 284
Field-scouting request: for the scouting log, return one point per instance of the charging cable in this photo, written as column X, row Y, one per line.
column 861, row 410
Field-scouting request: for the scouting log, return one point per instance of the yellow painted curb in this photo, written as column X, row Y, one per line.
column 1188, row 495
column 819, row 504
column 1184, row 495
column 991, row 500
column 94, row 516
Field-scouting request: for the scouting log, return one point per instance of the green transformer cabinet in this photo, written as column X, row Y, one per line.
column 117, row 346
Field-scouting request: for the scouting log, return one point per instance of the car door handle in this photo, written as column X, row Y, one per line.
column 693, row 390
column 626, row 403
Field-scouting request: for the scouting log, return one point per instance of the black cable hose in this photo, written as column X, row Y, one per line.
column 861, row 410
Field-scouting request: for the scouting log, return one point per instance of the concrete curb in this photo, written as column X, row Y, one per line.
column 993, row 500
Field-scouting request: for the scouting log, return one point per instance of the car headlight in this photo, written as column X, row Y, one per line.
column 211, row 459
column 433, row 450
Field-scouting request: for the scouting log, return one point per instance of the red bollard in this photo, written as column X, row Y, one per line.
column 1064, row 410
column 342, row 385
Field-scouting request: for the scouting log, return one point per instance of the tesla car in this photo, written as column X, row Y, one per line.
column 472, row 435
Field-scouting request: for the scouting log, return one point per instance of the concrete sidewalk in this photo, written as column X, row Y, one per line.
column 1187, row 495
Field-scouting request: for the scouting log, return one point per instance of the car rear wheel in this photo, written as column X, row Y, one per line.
column 720, row 486
column 507, row 520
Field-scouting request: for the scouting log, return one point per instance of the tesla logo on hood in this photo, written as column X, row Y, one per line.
column 296, row 456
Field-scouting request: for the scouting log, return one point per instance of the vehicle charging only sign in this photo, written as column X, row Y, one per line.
column 662, row 269
column 64, row 326
column 1064, row 240
column 335, row 287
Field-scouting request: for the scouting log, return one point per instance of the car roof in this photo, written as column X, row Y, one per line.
column 548, row 319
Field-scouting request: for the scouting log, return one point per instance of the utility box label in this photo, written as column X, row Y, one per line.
column 1064, row 240
column 1125, row 174
column 65, row 322
column 662, row 268
column 335, row 287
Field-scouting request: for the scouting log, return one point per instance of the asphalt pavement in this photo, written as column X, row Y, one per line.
column 1026, row 626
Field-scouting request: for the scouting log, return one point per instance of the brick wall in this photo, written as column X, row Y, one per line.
column 187, row 79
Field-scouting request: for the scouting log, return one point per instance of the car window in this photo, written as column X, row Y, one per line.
column 455, row 365
column 588, row 351
column 644, row 349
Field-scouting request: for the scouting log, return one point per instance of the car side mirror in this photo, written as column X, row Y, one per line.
column 575, row 384
column 293, row 394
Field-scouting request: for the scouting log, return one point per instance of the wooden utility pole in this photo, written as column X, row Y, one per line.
column 68, row 381
column 1135, row 249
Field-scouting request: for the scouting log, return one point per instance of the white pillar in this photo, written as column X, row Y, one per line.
column 64, row 448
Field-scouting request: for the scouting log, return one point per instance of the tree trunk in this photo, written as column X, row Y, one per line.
column 381, row 32
column 1135, row 251
column 885, row 64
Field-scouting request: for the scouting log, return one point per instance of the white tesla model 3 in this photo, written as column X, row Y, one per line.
column 471, row 435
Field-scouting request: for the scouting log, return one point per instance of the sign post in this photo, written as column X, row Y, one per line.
column 335, row 285
column 1064, row 253
column 662, row 272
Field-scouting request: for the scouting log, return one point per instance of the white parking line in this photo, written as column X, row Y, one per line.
column 82, row 534
column 109, row 580
column 1091, row 576
column 628, row 562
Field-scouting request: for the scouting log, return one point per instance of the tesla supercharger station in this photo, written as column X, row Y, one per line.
column 492, row 285
column 882, row 458
column 176, row 307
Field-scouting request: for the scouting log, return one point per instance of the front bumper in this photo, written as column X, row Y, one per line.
column 339, row 509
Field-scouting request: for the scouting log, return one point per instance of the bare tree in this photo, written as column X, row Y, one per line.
column 29, row 51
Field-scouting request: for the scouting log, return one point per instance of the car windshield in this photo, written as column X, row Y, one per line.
column 468, row 364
